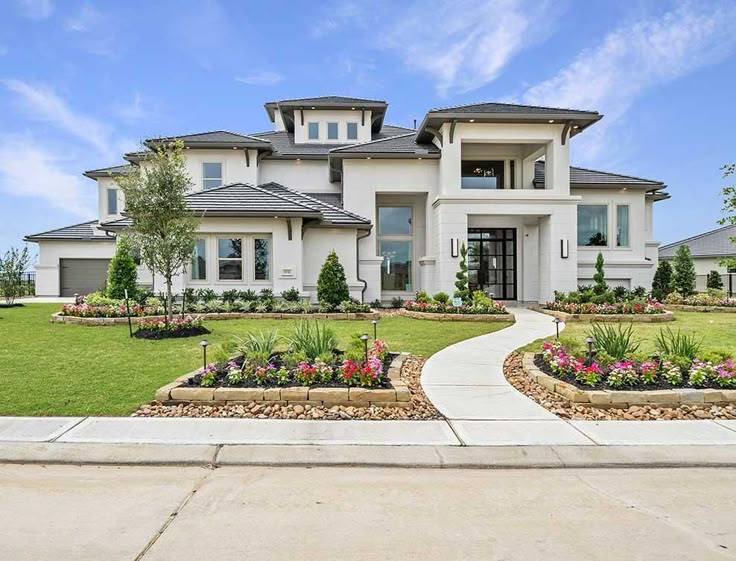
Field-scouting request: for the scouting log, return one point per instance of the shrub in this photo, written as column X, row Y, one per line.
column 683, row 279
column 205, row 295
column 332, row 286
column 122, row 273
column 397, row 302
column 313, row 339
column 266, row 295
column 353, row 306
column 441, row 297
column 714, row 280
column 662, row 283
column 620, row 293
column 422, row 296
column 618, row 341
column 263, row 342
column 376, row 304
column 599, row 277
column 291, row 295
column 230, row 296
column 461, row 284
column 677, row 344
column 12, row 267
column 248, row 295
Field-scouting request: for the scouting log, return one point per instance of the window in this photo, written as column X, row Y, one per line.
column 482, row 175
column 262, row 259
column 211, row 175
column 331, row 131
column 395, row 245
column 112, row 201
column 313, row 131
column 199, row 260
column 230, row 258
column 593, row 225
column 352, row 131
column 622, row 225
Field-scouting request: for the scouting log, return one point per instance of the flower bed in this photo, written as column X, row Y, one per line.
column 159, row 328
column 650, row 307
column 84, row 310
column 704, row 302
column 491, row 308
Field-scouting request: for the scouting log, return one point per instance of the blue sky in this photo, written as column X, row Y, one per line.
column 81, row 82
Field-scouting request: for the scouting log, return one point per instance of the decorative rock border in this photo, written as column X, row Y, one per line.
column 605, row 399
column 58, row 317
column 397, row 395
column 684, row 308
column 613, row 318
column 456, row 317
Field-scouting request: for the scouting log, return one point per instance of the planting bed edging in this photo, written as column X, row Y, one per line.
column 177, row 392
column 605, row 399
column 684, row 308
column 457, row 317
column 617, row 318
column 58, row 317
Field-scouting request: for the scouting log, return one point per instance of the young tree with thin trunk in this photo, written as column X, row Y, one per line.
column 729, row 209
column 163, row 229
column 12, row 267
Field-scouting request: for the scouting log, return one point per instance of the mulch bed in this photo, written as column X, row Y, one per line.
column 170, row 333
column 514, row 372
column 411, row 369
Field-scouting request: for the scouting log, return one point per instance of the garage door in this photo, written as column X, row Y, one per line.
column 82, row 276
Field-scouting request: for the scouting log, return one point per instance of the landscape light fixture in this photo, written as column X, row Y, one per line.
column 204, row 344
column 589, row 340
column 375, row 329
column 365, row 338
column 557, row 322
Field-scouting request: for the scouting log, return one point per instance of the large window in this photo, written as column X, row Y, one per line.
column 313, row 131
column 199, row 260
column 395, row 246
column 331, row 131
column 482, row 174
column 112, row 201
column 230, row 258
column 352, row 131
column 622, row 225
column 262, row 259
column 593, row 225
column 211, row 175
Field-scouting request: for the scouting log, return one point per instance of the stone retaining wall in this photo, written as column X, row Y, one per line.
column 605, row 399
column 683, row 308
column 59, row 318
column 611, row 318
column 457, row 317
column 398, row 395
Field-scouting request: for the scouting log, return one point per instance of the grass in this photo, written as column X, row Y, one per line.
column 66, row 369
column 716, row 329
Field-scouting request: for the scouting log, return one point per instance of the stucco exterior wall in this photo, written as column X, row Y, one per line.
column 50, row 252
column 341, row 117
column 318, row 242
column 303, row 175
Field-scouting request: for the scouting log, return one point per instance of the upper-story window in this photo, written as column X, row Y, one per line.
column 313, row 131
column 352, row 131
column 112, row 201
column 482, row 174
column 622, row 225
column 331, row 131
column 211, row 175
column 593, row 225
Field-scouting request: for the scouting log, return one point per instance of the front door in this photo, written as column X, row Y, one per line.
column 492, row 261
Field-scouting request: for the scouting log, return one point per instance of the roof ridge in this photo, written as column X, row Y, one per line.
column 372, row 141
column 263, row 190
column 509, row 105
column 326, row 96
column 619, row 174
column 399, row 127
column 218, row 188
column 204, row 132
column 697, row 236
column 307, row 196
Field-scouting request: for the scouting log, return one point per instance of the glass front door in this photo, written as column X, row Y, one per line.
column 492, row 261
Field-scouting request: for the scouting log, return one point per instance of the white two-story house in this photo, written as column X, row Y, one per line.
column 395, row 203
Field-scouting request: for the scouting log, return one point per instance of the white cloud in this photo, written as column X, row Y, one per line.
column 44, row 105
column 135, row 110
column 634, row 59
column 86, row 19
column 462, row 44
column 338, row 14
column 264, row 78
column 36, row 9
column 28, row 170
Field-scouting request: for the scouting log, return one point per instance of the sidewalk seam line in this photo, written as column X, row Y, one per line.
column 75, row 425
column 452, row 428
column 594, row 441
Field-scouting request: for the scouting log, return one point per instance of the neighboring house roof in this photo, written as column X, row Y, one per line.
column 287, row 107
column 269, row 200
column 213, row 139
column 716, row 243
column 108, row 172
column 76, row 232
column 580, row 177
column 490, row 112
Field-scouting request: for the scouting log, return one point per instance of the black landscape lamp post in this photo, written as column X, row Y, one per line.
column 589, row 340
column 365, row 338
column 557, row 322
column 375, row 329
column 657, row 360
column 204, row 344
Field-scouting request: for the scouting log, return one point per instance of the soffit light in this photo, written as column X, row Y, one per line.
column 471, row 120
column 551, row 120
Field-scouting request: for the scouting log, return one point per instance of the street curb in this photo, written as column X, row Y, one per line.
column 432, row 457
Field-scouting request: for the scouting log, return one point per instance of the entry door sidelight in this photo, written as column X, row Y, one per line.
column 492, row 261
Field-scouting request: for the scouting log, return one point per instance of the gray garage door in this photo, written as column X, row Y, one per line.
column 82, row 276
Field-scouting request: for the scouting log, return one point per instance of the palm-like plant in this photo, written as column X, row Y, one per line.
column 261, row 343
column 618, row 341
column 313, row 339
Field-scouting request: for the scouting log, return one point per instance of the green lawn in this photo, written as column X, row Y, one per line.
column 65, row 369
column 718, row 331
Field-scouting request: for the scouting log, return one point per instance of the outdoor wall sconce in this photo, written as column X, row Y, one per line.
column 564, row 248
column 454, row 249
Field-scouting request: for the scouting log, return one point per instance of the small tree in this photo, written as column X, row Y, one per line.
column 599, row 277
column 332, row 286
column 461, row 284
column 662, row 283
column 714, row 281
column 683, row 278
column 163, row 229
column 12, row 267
column 122, row 274
column 729, row 210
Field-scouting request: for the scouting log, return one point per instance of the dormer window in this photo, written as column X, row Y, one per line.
column 211, row 175
column 331, row 131
column 112, row 201
column 352, row 131
column 313, row 131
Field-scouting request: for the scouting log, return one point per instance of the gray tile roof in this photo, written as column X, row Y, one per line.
column 329, row 99
column 75, row 232
column 331, row 214
column 583, row 176
column 495, row 107
column 107, row 172
column 400, row 144
column 716, row 243
column 217, row 138
column 334, row 199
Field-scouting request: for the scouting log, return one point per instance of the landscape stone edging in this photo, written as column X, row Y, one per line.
column 431, row 316
column 685, row 308
column 58, row 317
column 398, row 395
column 605, row 399
column 616, row 318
